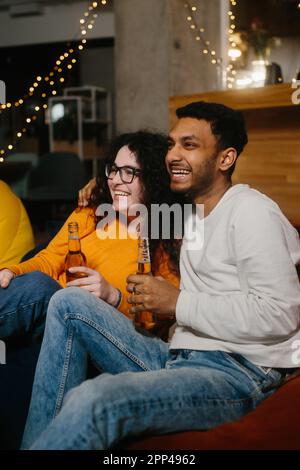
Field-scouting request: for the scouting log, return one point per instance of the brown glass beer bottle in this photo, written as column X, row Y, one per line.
column 144, row 319
column 75, row 257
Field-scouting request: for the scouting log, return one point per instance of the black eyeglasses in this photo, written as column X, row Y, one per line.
column 127, row 173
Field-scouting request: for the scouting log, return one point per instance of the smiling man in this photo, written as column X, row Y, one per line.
column 237, row 309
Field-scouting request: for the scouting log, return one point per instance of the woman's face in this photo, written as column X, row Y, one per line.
column 125, row 194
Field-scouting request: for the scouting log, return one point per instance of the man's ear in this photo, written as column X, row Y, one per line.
column 228, row 158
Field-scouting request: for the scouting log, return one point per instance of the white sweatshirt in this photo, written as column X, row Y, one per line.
column 240, row 292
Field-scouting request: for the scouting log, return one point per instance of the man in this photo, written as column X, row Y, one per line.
column 237, row 311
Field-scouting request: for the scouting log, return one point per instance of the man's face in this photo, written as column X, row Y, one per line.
column 192, row 159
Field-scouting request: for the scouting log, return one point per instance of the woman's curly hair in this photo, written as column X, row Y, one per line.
column 150, row 150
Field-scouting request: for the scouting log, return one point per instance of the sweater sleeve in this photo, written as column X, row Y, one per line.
column 267, row 308
column 163, row 268
column 51, row 260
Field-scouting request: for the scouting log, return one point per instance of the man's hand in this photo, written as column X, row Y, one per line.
column 5, row 277
column 153, row 294
column 85, row 193
column 95, row 284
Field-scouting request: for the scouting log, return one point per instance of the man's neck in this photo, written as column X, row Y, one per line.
column 213, row 196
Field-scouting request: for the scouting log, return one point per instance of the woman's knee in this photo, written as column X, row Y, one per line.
column 37, row 280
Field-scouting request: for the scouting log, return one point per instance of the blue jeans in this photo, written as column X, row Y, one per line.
column 143, row 387
column 24, row 303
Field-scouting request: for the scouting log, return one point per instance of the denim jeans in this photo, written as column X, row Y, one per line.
column 23, row 304
column 143, row 387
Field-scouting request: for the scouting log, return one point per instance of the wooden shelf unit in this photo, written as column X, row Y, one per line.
column 271, row 160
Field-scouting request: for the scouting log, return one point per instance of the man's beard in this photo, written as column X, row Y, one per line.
column 201, row 182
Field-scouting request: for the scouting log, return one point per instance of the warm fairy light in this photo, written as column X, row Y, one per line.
column 234, row 52
column 199, row 36
column 87, row 22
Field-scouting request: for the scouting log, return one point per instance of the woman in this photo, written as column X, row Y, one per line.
column 142, row 178
column 134, row 172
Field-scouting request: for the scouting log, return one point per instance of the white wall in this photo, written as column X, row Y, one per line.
column 57, row 24
column 288, row 57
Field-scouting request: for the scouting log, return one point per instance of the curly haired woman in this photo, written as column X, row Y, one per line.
column 134, row 171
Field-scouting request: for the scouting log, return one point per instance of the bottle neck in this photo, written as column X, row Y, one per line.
column 74, row 244
column 74, row 240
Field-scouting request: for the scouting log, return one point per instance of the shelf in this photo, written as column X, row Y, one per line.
column 270, row 96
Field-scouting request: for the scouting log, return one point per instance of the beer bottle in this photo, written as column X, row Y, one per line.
column 74, row 257
column 144, row 319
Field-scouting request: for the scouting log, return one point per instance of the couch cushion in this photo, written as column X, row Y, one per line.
column 275, row 424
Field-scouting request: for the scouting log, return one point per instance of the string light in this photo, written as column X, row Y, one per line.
column 233, row 51
column 57, row 62
column 199, row 34
column 86, row 23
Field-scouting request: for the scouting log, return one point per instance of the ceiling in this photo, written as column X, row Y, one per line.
column 30, row 5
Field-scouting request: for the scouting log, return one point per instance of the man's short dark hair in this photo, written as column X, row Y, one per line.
column 227, row 124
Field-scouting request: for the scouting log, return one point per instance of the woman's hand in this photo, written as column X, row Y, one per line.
column 94, row 283
column 6, row 275
column 85, row 193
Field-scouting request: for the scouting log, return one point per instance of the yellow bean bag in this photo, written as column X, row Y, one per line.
column 16, row 237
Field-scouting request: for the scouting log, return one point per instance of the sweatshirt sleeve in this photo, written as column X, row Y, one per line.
column 51, row 260
column 267, row 308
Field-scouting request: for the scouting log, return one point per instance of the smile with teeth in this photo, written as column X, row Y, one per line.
column 179, row 173
column 121, row 194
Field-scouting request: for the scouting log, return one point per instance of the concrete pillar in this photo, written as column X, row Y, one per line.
column 156, row 56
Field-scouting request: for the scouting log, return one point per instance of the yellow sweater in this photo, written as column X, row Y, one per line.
column 114, row 259
column 16, row 237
